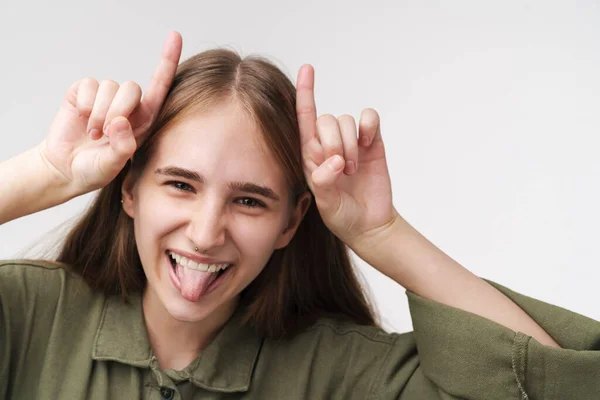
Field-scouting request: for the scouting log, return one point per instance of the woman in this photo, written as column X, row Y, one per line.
column 206, row 269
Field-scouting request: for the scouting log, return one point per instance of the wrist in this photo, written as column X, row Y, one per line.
column 401, row 253
column 379, row 247
column 28, row 186
column 56, row 186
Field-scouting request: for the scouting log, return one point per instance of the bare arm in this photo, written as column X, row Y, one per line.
column 28, row 186
column 96, row 130
column 346, row 169
column 414, row 262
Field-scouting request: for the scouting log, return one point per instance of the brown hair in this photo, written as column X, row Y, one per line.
column 310, row 278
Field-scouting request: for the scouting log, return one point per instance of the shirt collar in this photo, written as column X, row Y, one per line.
column 226, row 364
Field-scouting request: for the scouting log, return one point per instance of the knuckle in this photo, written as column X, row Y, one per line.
column 109, row 83
column 89, row 81
column 346, row 118
column 84, row 110
column 87, row 87
column 95, row 121
column 84, row 107
column 130, row 85
column 305, row 111
column 326, row 117
column 325, row 120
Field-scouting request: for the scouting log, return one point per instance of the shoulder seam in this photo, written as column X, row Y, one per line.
column 358, row 331
column 41, row 264
column 33, row 263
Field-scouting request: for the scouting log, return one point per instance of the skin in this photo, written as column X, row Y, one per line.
column 178, row 213
column 350, row 180
column 344, row 165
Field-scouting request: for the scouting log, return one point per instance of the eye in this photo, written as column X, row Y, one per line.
column 250, row 202
column 180, row 186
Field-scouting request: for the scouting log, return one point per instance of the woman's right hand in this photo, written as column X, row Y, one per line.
column 99, row 125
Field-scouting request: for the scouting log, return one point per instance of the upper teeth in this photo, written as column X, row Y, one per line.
column 185, row 262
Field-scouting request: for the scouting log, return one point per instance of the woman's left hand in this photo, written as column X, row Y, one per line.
column 347, row 174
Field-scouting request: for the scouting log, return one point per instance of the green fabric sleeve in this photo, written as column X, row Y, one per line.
column 467, row 356
column 4, row 349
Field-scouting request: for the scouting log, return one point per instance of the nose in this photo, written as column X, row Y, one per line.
column 206, row 227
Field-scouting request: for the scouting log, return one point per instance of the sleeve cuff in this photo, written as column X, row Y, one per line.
column 472, row 357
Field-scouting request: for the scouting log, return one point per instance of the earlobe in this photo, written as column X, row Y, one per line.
column 295, row 219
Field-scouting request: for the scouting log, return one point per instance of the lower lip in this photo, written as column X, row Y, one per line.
column 211, row 287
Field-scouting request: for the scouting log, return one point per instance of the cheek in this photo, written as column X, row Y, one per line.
column 256, row 238
column 156, row 216
column 153, row 220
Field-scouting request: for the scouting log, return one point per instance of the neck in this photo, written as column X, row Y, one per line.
column 177, row 343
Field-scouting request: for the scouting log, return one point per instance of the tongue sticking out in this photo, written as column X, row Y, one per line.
column 194, row 283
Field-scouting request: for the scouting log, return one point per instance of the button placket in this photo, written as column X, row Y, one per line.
column 167, row 392
column 162, row 380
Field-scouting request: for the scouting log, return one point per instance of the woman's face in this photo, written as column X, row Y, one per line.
column 211, row 184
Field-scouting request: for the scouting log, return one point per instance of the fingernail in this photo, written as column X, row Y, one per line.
column 94, row 133
column 350, row 167
column 335, row 163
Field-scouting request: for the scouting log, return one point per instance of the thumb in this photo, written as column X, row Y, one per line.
column 327, row 195
column 113, row 158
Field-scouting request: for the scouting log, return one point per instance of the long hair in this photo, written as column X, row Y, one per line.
column 310, row 278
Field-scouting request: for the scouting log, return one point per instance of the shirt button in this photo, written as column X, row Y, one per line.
column 167, row 392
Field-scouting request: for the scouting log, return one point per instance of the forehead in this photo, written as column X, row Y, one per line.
column 223, row 141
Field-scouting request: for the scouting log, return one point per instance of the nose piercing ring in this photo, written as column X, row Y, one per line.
column 203, row 251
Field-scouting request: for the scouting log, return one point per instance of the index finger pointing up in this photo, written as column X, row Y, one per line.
column 163, row 74
column 306, row 110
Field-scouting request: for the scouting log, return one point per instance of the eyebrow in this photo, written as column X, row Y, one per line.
column 247, row 187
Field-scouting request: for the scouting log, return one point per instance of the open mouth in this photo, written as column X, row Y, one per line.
column 219, row 273
column 195, row 280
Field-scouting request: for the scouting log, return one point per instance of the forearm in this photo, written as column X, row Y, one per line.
column 415, row 263
column 28, row 185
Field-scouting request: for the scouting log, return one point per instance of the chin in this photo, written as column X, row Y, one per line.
column 184, row 311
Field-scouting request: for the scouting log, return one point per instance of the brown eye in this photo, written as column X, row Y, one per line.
column 250, row 202
column 181, row 186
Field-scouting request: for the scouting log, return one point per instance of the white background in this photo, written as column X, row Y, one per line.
column 490, row 112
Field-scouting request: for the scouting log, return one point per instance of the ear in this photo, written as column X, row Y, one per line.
column 296, row 217
column 127, row 193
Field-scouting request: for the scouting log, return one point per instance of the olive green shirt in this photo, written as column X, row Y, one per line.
column 61, row 340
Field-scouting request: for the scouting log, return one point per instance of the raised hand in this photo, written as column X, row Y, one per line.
column 99, row 125
column 347, row 174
